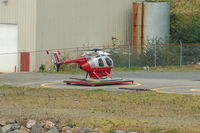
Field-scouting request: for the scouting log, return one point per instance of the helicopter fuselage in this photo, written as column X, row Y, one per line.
column 97, row 64
column 96, row 67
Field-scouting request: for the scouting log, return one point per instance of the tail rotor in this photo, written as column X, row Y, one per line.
column 56, row 60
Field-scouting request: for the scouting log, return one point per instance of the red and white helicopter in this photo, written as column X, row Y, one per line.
column 97, row 63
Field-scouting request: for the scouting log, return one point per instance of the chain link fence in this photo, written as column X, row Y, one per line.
column 153, row 55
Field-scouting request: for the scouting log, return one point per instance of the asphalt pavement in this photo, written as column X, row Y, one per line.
column 166, row 82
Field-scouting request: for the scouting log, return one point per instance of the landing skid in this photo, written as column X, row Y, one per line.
column 97, row 82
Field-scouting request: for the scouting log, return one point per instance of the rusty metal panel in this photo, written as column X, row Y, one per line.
column 142, row 27
column 135, row 24
column 151, row 22
column 137, row 30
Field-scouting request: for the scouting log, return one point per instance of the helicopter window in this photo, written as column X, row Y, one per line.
column 100, row 61
column 108, row 61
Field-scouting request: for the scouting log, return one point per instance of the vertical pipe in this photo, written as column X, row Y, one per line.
column 15, row 68
column 142, row 28
column 129, row 56
column 135, row 24
column 77, row 66
column 181, row 53
column 155, row 55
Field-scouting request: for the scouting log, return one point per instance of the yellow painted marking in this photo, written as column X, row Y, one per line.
column 174, row 87
column 195, row 90
column 49, row 85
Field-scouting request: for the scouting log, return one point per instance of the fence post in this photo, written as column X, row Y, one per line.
column 77, row 50
column 155, row 55
column 181, row 53
column 129, row 56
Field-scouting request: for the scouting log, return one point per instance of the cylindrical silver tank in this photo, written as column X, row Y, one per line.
column 151, row 22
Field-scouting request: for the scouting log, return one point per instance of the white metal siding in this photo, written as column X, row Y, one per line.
column 22, row 13
column 8, row 44
column 72, row 23
column 157, row 21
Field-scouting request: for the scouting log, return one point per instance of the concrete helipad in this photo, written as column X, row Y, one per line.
column 166, row 82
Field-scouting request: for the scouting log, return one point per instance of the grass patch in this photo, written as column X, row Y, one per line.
column 177, row 68
column 105, row 111
column 71, row 71
column 161, row 68
column 122, row 69
column 108, row 124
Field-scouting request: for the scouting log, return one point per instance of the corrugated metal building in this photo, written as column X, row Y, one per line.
column 47, row 24
column 17, row 32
